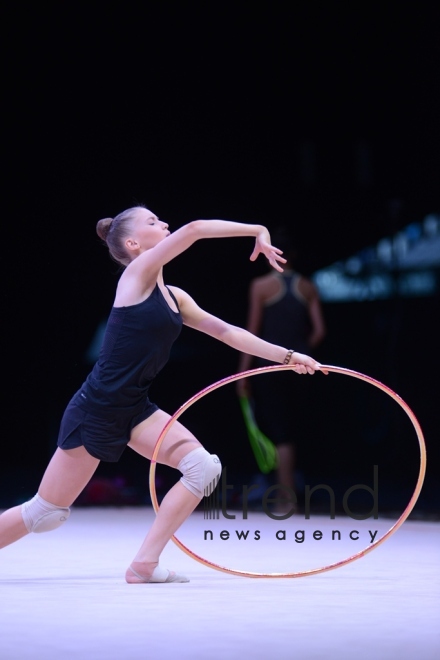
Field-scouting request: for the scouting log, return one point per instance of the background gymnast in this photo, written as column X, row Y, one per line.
column 111, row 410
column 283, row 308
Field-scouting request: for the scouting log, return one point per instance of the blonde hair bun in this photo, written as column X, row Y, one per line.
column 103, row 227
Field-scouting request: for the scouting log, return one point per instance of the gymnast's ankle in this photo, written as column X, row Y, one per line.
column 144, row 568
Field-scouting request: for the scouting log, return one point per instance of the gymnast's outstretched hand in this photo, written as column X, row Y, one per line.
column 273, row 254
column 304, row 364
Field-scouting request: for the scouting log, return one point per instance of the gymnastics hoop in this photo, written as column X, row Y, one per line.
column 322, row 569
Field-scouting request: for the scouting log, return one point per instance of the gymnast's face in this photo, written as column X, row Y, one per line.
column 147, row 230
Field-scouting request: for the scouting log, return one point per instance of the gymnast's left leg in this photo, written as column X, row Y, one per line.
column 200, row 472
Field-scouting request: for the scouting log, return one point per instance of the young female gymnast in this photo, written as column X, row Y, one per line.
column 112, row 410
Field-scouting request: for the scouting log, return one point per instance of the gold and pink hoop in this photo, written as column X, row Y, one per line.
column 322, row 569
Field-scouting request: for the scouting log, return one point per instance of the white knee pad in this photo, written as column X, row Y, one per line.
column 41, row 516
column 201, row 471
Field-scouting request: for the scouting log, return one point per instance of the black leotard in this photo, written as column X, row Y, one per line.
column 114, row 396
column 286, row 320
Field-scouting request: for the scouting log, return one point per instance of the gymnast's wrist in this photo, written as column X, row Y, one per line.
column 288, row 358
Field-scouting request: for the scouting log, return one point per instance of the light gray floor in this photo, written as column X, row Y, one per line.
column 63, row 594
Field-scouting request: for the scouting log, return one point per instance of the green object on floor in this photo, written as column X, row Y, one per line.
column 265, row 451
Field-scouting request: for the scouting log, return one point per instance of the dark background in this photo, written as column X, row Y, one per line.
column 312, row 115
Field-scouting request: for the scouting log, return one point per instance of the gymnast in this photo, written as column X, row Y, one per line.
column 111, row 410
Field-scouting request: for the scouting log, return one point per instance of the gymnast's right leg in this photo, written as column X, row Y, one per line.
column 66, row 476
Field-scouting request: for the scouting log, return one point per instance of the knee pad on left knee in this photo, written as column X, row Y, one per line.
column 41, row 516
column 200, row 471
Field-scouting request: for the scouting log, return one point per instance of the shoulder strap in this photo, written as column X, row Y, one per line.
column 172, row 296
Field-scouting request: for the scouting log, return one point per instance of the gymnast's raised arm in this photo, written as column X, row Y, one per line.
column 183, row 238
column 136, row 239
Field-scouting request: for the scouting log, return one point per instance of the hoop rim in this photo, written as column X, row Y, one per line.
column 322, row 569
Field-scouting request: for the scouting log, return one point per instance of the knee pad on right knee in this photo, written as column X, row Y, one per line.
column 41, row 516
column 200, row 472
